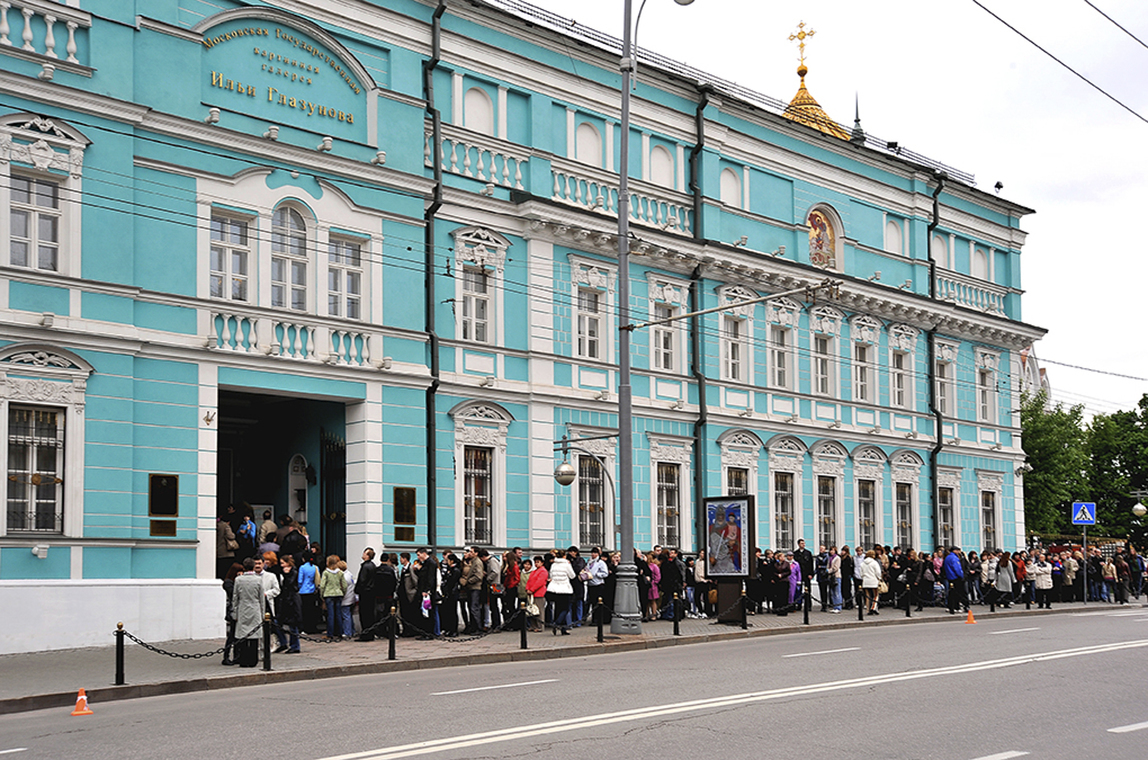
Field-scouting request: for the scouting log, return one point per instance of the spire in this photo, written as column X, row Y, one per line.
column 858, row 136
column 804, row 109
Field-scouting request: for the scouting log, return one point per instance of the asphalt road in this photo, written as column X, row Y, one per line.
column 1060, row 686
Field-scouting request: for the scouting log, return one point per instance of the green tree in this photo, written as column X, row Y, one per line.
column 1118, row 458
column 1056, row 443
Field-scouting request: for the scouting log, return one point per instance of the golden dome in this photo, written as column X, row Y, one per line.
column 804, row 109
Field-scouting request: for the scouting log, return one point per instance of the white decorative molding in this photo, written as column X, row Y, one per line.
column 732, row 294
column 480, row 425
column 588, row 273
column 990, row 481
column 784, row 311
column 907, row 468
column 825, row 320
column 666, row 449
column 865, row 329
column 947, row 351
column 668, row 291
column 600, row 447
column 740, row 449
column 948, row 478
column 829, row 459
column 987, row 359
column 868, row 463
column 903, row 337
column 481, row 247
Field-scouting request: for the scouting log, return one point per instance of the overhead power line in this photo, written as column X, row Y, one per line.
column 1118, row 26
column 1082, row 78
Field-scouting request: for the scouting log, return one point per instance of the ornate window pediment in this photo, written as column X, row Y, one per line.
column 588, row 273
column 480, row 247
column 868, row 462
column 865, row 329
column 826, row 320
column 43, row 374
column 740, row 448
column 480, row 424
column 784, row 311
column 906, row 467
column 829, row 458
column 989, row 360
column 42, row 143
column 666, row 449
column 947, row 351
column 903, row 337
column 733, row 294
column 669, row 292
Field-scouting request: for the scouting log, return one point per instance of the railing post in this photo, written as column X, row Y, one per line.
column 266, row 641
column 598, row 618
column 522, row 627
column 119, row 654
column 391, row 635
column 677, row 627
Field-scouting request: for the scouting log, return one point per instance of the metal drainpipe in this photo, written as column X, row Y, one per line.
column 697, row 368
column 428, row 266
column 938, row 419
column 696, row 363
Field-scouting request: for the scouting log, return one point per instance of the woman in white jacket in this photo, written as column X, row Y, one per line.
column 560, row 592
column 1041, row 574
column 870, row 579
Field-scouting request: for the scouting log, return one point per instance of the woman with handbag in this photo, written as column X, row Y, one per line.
column 871, row 580
column 560, row 591
column 536, row 583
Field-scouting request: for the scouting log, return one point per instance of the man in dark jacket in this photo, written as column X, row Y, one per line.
column 955, row 578
column 426, row 575
column 365, row 588
column 470, row 588
column 804, row 558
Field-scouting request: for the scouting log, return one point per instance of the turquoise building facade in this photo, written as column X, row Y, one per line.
column 357, row 263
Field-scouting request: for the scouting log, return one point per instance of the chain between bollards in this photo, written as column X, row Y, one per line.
column 119, row 654
column 391, row 630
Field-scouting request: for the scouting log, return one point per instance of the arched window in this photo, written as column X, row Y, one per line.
column 288, row 259
column 824, row 238
column 893, row 237
column 661, row 167
column 730, row 188
column 980, row 264
column 478, row 111
column 939, row 250
column 588, row 145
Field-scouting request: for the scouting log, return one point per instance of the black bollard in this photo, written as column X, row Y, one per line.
column 119, row 654
column 598, row 619
column 522, row 627
column 908, row 601
column 1026, row 588
column 267, row 641
column 807, row 605
column 677, row 628
column 860, row 603
column 992, row 599
column 391, row 632
column 744, row 620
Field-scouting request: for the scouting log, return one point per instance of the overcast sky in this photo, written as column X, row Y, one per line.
column 948, row 80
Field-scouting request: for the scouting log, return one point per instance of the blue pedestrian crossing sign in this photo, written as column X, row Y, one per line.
column 1084, row 513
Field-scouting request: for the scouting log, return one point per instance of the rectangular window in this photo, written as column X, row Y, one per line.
column 899, row 380
column 230, row 253
column 861, row 373
column 866, row 513
column 478, row 484
column 989, row 519
column 736, row 481
column 783, row 509
column 35, row 469
column 591, row 507
column 945, row 502
column 904, row 509
column 589, row 323
column 345, row 278
column 733, row 348
column 288, row 283
column 475, row 305
column 986, row 396
column 35, row 224
column 669, row 501
column 826, row 511
column 779, row 356
column 943, row 387
column 664, row 337
column 822, row 366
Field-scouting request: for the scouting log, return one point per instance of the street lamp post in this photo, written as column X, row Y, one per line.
column 627, row 618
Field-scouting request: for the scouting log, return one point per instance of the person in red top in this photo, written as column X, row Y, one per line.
column 1020, row 570
column 536, row 584
column 511, row 573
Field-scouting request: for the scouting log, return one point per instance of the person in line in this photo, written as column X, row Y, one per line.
column 332, row 587
column 560, row 592
column 1040, row 570
column 871, row 572
column 536, row 584
column 290, row 607
column 309, row 594
column 247, row 609
column 596, row 574
column 1005, row 580
column 347, row 606
column 833, row 579
column 266, row 528
column 955, row 580
column 470, row 589
column 365, row 588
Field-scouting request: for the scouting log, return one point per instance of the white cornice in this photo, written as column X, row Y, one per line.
column 153, row 25
column 61, row 96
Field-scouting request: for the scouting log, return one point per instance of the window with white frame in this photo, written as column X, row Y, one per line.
column 345, row 277
column 945, row 504
column 35, row 223
column 824, row 323
column 590, row 323
column 944, row 381
column 288, row 259
column 780, row 355
column 899, row 379
column 41, row 167
column 866, row 512
column 35, row 469
column 988, row 519
column 987, row 386
column 904, row 511
column 230, row 258
column 822, row 365
column 669, row 502
column 42, row 398
column 737, row 481
column 826, row 510
column 591, row 502
column 734, row 335
column 665, row 339
column 475, row 304
column 478, row 487
column 862, row 373
column 783, row 513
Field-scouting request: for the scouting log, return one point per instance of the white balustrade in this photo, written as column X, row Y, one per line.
column 277, row 336
column 350, row 347
column 480, row 157
column 51, row 14
column 970, row 292
column 598, row 191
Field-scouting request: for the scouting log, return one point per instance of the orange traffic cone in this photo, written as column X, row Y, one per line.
column 82, row 705
column 970, row 620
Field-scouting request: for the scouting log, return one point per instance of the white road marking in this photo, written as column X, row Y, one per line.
column 1003, row 755
column 10, row 751
column 486, row 688
column 826, row 651
column 1128, row 729
column 1125, row 614
column 733, row 700
column 1014, row 630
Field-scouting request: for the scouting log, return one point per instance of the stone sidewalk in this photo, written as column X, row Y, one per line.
column 42, row 680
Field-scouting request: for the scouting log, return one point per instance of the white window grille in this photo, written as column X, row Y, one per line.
column 35, row 223
column 669, row 502
column 475, row 304
column 230, row 257
column 591, row 507
column 35, row 469
column 904, row 507
column 345, row 278
column 866, row 513
column 783, row 509
column 478, row 477
column 945, row 502
column 589, row 323
column 288, row 260
column 826, row 510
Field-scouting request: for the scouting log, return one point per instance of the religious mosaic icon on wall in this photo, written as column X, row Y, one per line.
column 822, row 241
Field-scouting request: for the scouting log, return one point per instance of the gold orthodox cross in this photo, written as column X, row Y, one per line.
column 800, row 36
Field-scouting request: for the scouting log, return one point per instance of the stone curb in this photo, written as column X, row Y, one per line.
column 259, row 678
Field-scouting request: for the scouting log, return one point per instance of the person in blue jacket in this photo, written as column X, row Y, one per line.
column 955, row 578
